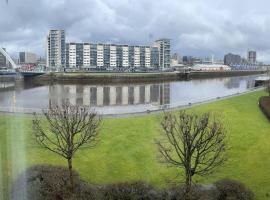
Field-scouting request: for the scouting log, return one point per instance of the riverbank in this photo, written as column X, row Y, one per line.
column 127, row 150
column 138, row 77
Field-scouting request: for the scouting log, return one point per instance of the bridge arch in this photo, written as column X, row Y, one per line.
column 13, row 64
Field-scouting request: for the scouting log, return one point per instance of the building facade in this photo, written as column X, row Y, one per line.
column 86, row 55
column 56, row 48
column 27, row 58
column 252, row 57
column 232, row 59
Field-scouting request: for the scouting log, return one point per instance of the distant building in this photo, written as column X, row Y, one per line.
column 252, row 57
column 187, row 60
column 190, row 60
column 41, row 62
column 232, row 59
column 3, row 60
column 196, row 60
column 174, row 62
column 56, row 48
column 211, row 67
column 27, row 58
column 176, row 59
column 164, row 47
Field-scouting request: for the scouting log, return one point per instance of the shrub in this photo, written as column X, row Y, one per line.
column 198, row 192
column 233, row 190
column 264, row 103
column 49, row 182
column 130, row 191
column 46, row 182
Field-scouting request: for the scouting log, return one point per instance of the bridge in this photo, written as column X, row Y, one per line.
column 15, row 66
column 31, row 73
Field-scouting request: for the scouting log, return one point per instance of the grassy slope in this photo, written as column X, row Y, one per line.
column 127, row 150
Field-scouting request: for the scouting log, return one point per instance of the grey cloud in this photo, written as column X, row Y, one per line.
column 198, row 27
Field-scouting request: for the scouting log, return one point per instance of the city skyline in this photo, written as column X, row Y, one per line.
column 198, row 28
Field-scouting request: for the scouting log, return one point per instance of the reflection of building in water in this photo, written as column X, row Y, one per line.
column 234, row 82
column 91, row 95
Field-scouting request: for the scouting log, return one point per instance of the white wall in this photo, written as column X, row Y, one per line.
column 125, row 56
column 147, row 57
column 112, row 56
column 137, row 56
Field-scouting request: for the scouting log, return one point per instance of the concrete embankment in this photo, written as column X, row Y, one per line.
column 138, row 77
column 8, row 78
column 215, row 74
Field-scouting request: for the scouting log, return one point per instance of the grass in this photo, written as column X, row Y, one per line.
column 127, row 150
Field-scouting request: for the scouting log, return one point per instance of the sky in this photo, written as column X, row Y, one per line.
column 195, row 27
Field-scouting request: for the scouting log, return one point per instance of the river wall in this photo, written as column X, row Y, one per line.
column 216, row 74
column 137, row 77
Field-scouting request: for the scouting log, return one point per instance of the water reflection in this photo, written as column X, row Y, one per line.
column 113, row 95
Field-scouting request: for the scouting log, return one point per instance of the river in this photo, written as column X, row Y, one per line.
column 25, row 96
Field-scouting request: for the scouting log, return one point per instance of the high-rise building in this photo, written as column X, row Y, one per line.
column 3, row 60
column 56, row 48
column 27, row 58
column 252, row 57
column 164, row 47
column 232, row 59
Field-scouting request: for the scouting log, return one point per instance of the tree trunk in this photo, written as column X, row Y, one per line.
column 70, row 175
column 188, row 185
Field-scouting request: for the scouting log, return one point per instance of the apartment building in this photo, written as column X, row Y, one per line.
column 56, row 48
column 89, row 55
column 164, row 48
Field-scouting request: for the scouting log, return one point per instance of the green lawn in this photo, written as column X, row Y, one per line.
column 127, row 150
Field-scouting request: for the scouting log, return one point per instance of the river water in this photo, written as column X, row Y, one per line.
column 24, row 96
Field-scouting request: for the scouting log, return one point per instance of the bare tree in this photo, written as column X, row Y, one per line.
column 193, row 142
column 65, row 130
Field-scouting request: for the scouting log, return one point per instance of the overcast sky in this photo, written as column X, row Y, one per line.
column 196, row 27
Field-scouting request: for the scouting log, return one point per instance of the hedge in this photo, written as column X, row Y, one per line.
column 46, row 182
column 264, row 103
